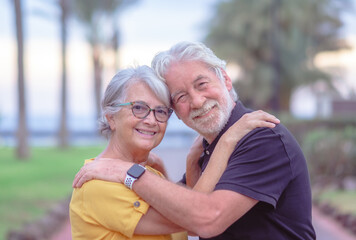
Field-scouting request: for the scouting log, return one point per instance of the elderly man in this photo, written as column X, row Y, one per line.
column 264, row 192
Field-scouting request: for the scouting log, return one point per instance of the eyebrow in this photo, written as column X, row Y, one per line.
column 173, row 95
column 199, row 77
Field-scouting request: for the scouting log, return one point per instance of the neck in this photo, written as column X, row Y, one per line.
column 211, row 137
column 121, row 151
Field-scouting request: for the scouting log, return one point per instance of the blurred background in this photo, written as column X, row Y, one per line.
column 296, row 59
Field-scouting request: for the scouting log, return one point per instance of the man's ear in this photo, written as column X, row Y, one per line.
column 111, row 121
column 227, row 80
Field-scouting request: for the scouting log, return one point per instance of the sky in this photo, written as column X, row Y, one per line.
column 146, row 28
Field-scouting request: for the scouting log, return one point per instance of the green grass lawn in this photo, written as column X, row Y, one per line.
column 29, row 188
column 345, row 201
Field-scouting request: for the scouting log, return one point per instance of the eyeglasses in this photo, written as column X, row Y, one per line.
column 142, row 110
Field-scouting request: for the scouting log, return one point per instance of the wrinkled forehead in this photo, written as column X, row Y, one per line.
column 187, row 72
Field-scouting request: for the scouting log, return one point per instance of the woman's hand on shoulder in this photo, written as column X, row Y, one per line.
column 247, row 123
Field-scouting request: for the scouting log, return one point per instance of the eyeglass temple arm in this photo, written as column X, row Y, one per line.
column 124, row 104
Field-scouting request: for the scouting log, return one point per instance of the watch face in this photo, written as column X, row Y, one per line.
column 136, row 171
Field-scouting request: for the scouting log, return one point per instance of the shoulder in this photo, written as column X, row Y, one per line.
column 260, row 139
column 151, row 169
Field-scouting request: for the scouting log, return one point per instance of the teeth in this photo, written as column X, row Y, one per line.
column 204, row 110
column 202, row 113
column 146, row 132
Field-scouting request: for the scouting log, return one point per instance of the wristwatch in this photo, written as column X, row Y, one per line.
column 134, row 173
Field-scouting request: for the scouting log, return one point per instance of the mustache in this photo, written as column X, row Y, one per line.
column 205, row 108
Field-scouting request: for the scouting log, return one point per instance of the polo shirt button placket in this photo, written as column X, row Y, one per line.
column 137, row 204
column 207, row 152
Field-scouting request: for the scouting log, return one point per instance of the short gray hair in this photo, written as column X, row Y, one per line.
column 190, row 51
column 116, row 92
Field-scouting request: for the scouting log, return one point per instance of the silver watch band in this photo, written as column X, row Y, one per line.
column 129, row 181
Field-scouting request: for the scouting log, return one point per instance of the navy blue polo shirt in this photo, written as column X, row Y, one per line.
column 269, row 166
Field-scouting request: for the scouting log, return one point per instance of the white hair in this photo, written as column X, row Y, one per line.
column 190, row 51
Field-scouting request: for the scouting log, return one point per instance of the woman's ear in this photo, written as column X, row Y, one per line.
column 111, row 120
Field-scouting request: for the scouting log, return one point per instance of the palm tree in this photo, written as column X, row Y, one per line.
column 112, row 8
column 23, row 151
column 90, row 13
column 63, row 131
column 64, row 6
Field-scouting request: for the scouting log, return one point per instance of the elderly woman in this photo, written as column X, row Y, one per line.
column 135, row 111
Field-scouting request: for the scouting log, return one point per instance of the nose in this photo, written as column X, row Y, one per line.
column 197, row 100
column 150, row 119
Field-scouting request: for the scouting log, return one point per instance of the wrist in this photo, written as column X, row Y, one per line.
column 227, row 140
column 133, row 174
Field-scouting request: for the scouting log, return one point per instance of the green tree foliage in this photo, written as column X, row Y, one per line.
column 331, row 154
column 274, row 43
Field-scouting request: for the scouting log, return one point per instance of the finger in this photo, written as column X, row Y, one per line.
column 81, row 181
column 259, row 123
column 262, row 115
column 78, row 176
column 265, row 124
column 271, row 118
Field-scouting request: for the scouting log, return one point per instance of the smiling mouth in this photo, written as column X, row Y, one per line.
column 150, row 133
column 203, row 114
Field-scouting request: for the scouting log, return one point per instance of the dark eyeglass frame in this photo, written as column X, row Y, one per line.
column 154, row 110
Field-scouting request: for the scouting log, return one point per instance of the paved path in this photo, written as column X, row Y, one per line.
column 64, row 232
column 325, row 227
column 329, row 229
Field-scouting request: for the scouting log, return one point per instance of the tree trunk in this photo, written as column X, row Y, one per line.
column 23, row 151
column 276, row 63
column 115, row 47
column 63, row 132
column 97, row 79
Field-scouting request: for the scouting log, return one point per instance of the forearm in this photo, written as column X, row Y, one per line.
column 216, row 167
column 180, row 205
column 153, row 223
column 192, row 172
column 207, row 215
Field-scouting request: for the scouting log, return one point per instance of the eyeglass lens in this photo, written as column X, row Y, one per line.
column 141, row 110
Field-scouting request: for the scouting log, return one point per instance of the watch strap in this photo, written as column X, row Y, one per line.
column 134, row 173
column 129, row 180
